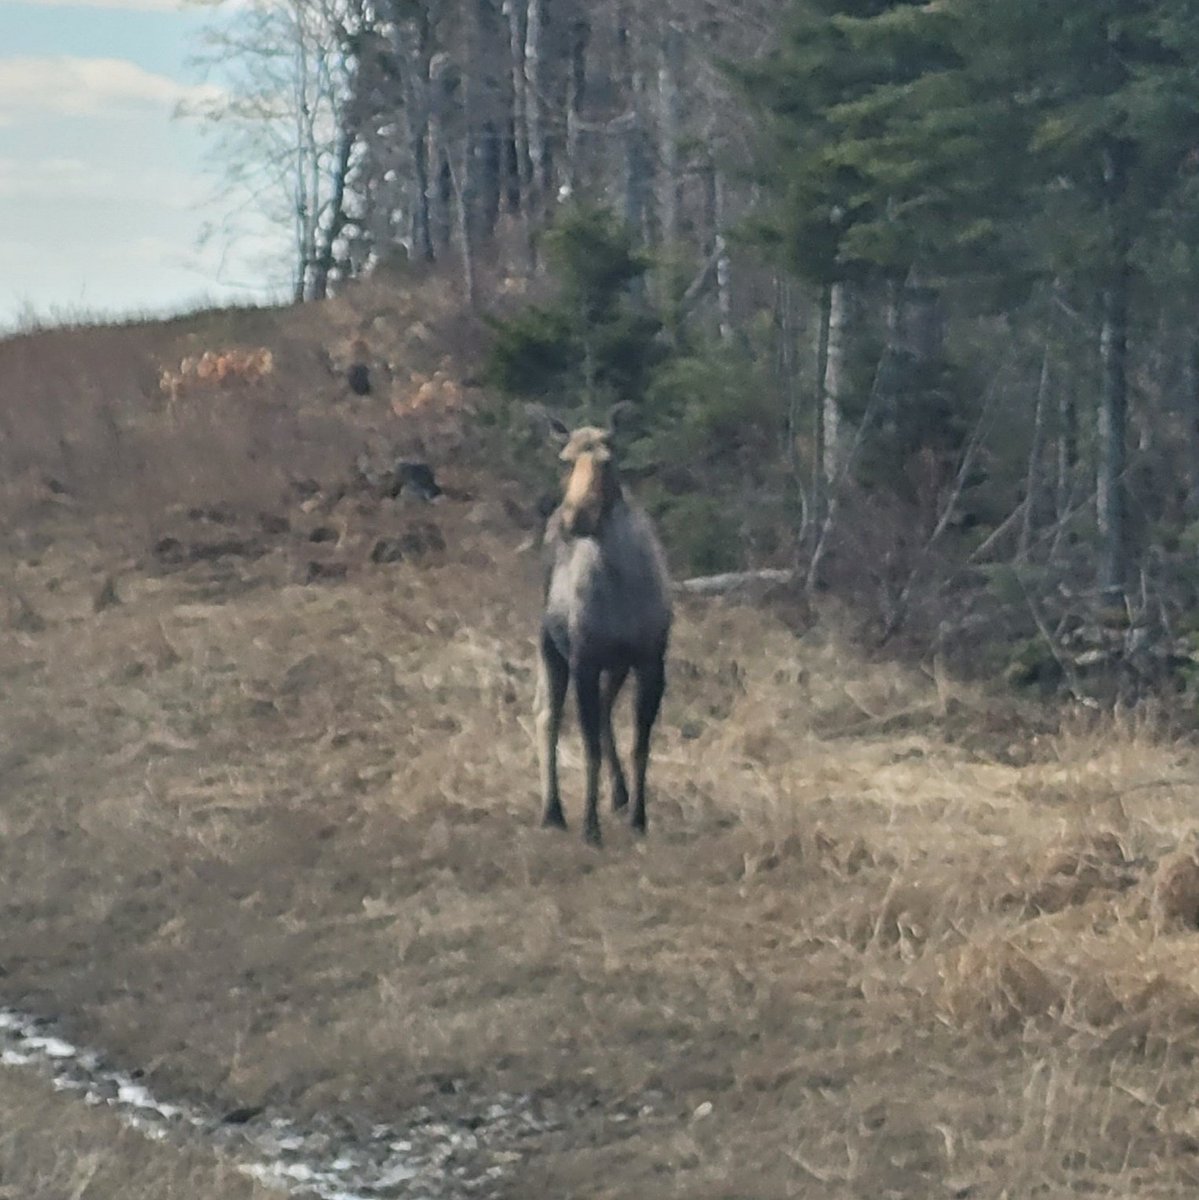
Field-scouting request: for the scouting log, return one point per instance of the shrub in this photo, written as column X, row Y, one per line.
column 596, row 343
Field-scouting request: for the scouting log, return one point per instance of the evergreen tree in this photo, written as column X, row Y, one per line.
column 596, row 343
column 996, row 143
column 873, row 156
column 1111, row 102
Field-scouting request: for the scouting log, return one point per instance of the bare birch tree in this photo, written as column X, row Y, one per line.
column 286, row 122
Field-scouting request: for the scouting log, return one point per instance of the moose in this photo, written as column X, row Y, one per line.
column 606, row 612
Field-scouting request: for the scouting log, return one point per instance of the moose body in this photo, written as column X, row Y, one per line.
column 607, row 613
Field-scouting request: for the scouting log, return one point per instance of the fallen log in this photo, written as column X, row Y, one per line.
column 734, row 581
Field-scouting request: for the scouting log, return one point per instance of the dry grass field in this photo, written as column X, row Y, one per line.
column 268, row 834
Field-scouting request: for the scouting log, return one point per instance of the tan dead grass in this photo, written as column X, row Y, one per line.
column 887, row 936
column 337, row 889
column 91, row 429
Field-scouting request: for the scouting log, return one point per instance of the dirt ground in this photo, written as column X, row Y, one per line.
column 269, row 835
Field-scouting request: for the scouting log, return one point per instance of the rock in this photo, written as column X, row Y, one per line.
column 359, row 378
column 241, row 1116
column 304, row 675
column 169, row 550
column 421, row 539
column 387, row 550
column 228, row 548
column 412, row 543
column 173, row 552
column 415, row 479
column 274, row 524
column 22, row 616
column 306, row 488
column 326, row 572
column 106, row 595
column 324, row 533
column 214, row 516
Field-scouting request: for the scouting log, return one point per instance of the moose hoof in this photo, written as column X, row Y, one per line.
column 637, row 823
column 553, row 819
column 591, row 835
column 620, row 799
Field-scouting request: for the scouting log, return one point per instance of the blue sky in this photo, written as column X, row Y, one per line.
column 103, row 196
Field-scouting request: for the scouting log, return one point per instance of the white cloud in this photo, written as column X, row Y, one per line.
column 138, row 5
column 60, row 179
column 65, row 85
column 167, row 6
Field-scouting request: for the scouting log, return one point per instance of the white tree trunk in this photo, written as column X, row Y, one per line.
column 1112, row 423
column 724, row 294
column 1032, row 485
column 576, row 87
column 836, row 375
column 670, row 51
column 534, row 95
column 514, row 11
column 411, row 52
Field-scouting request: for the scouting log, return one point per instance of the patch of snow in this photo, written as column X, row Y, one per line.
column 282, row 1154
column 52, row 1047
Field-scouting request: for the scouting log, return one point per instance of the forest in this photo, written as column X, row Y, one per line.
column 902, row 293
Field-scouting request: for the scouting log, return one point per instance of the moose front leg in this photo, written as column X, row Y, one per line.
column 613, row 682
column 552, row 678
column 587, row 694
column 651, row 683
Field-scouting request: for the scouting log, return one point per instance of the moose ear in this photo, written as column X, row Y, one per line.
column 620, row 414
column 558, row 432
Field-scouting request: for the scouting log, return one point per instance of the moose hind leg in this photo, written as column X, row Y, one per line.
column 587, row 693
column 613, row 682
column 552, row 678
column 651, row 683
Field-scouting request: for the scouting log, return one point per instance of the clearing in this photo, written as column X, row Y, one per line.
column 268, row 835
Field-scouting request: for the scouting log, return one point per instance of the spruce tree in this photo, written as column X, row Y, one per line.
column 1111, row 103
